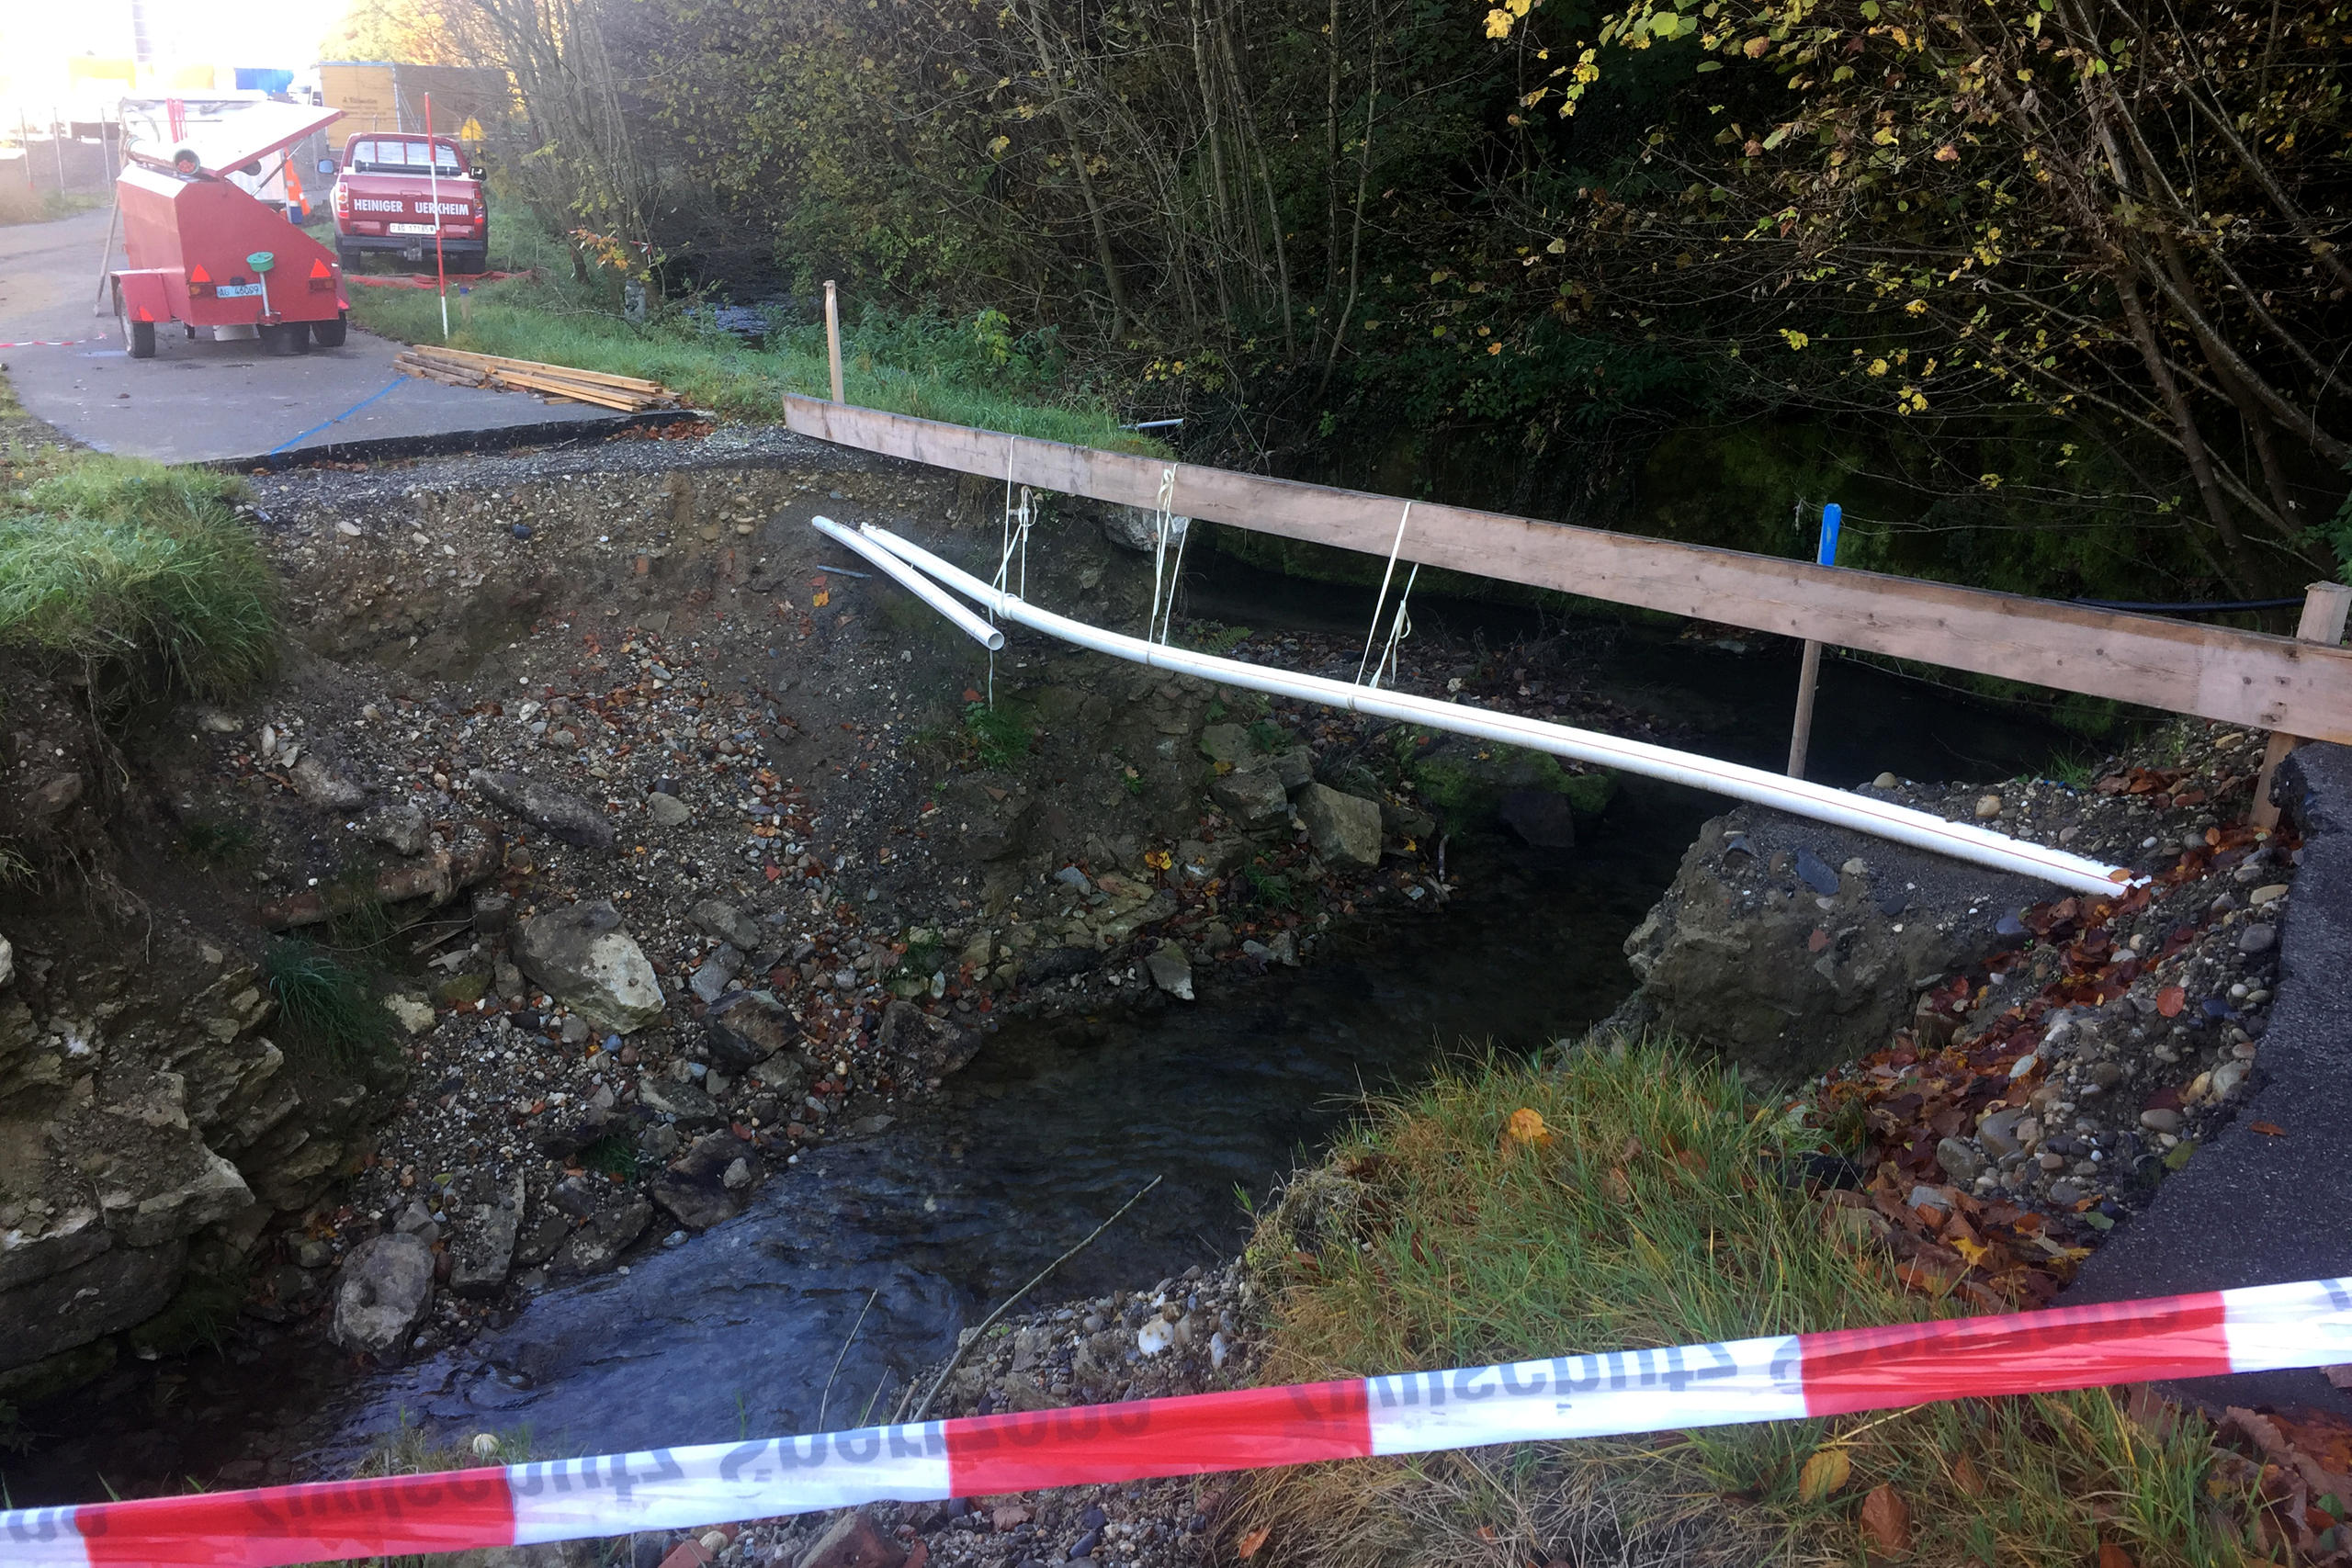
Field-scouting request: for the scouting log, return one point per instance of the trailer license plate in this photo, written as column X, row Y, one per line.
column 237, row 290
column 411, row 228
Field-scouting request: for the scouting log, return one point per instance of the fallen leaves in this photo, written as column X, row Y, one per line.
column 2113, row 1556
column 1252, row 1544
column 1525, row 1127
column 2170, row 1001
column 1824, row 1474
column 2267, row 1129
column 1886, row 1520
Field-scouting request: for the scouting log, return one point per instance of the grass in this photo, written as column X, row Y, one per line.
column 328, row 1009
column 1654, row 1217
column 132, row 570
column 611, row 1155
column 963, row 372
column 999, row 738
column 218, row 842
column 1272, row 889
column 20, row 203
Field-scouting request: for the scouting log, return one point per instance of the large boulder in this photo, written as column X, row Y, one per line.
column 381, row 1294
column 580, row 955
column 709, row 1183
column 936, row 1045
column 596, row 1246
column 576, row 821
column 724, row 922
column 1477, row 786
column 1789, row 946
column 745, row 1028
column 1254, row 796
column 483, row 1250
column 1345, row 829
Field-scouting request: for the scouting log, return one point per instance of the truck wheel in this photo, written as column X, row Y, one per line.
column 328, row 334
column 350, row 259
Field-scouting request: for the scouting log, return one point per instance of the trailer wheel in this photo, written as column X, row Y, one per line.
column 328, row 334
column 139, row 337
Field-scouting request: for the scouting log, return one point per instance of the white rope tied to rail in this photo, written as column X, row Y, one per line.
column 1373, row 630
column 1016, row 538
column 1399, row 630
column 1165, row 524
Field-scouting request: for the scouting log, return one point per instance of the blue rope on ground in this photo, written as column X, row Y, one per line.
column 297, row 440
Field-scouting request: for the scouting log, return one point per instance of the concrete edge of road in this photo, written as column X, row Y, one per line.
column 494, row 438
column 2267, row 1199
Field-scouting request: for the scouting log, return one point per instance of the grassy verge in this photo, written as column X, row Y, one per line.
column 20, row 204
column 130, row 570
column 1653, row 1214
column 962, row 372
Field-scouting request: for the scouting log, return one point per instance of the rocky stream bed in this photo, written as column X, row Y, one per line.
column 738, row 961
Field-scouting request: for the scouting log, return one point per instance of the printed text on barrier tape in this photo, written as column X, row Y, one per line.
column 1618, row 1391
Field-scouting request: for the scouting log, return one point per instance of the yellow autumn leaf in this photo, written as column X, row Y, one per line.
column 1825, row 1473
column 823, row 598
column 1526, row 1126
column 1159, row 860
column 1877, row 368
column 1499, row 24
column 1974, row 1251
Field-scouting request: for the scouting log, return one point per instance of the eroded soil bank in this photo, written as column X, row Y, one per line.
column 697, row 887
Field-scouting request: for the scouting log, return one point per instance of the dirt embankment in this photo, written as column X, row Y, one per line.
column 660, row 848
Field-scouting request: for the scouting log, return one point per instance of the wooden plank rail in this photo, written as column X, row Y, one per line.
column 2249, row 678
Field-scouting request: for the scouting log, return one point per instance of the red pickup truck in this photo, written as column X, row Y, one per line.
column 385, row 196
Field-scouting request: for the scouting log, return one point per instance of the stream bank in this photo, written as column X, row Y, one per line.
column 628, row 680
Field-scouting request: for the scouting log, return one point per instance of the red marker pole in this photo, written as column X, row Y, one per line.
column 433, row 184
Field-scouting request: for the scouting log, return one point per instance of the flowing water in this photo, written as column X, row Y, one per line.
column 922, row 1228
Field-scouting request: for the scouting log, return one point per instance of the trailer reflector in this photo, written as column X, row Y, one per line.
column 319, row 268
column 197, row 274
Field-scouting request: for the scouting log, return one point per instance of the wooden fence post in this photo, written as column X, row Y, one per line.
column 1801, row 733
column 2324, row 605
column 833, row 338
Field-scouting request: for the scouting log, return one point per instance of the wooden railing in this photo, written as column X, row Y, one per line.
column 2300, row 689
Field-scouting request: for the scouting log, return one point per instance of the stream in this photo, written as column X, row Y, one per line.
column 936, row 1219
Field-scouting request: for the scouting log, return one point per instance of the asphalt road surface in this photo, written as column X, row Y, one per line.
column 198, row 401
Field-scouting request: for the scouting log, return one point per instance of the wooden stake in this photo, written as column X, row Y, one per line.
column 1803, row 732
column 833, row 338
column 2324, row 606
column 1800, row 734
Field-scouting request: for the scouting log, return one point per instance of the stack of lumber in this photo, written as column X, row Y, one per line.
column 557, row 383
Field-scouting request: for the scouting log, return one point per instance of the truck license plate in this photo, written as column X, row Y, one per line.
column 411, row 228
column 237, row 290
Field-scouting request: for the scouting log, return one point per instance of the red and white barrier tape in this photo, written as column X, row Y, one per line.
column 2260, row 1329
column 55, row 342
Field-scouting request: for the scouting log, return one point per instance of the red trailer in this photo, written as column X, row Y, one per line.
column 208, row 254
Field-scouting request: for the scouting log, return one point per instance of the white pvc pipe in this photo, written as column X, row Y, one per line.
column 914, row 582
column 1962, row 840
